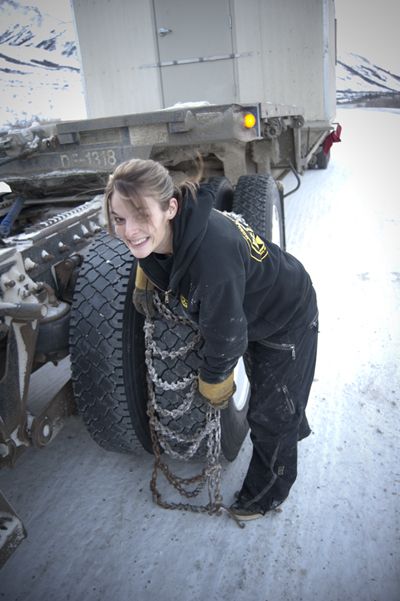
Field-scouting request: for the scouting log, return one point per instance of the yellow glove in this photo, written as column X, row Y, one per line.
column 143, row 294
column 218, row 395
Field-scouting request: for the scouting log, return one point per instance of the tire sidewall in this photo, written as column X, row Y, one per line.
column 258, row 199
column 134, row 367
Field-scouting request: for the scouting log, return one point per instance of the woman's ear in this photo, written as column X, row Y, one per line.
column 173, row 208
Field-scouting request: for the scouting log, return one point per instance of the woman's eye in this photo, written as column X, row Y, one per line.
column 118, row 220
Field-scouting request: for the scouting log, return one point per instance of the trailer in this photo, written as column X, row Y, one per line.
column 249, row 87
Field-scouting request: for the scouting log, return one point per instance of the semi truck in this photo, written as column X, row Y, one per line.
column 247, row 86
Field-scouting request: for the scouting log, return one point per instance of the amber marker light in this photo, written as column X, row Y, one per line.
column 249, row 120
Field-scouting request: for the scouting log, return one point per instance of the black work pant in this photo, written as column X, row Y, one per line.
column 281, row 372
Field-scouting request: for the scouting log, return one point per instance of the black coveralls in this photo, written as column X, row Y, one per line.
column 249, row 298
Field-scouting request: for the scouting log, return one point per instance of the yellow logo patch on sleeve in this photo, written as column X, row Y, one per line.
column 184, row 301
column 257, row 246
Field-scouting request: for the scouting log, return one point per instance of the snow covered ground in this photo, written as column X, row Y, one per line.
column 93, row 530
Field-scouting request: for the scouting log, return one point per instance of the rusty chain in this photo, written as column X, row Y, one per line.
column 163, row 437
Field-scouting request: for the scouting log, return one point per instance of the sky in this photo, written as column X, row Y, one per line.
column 370, row 28
column 61, row 9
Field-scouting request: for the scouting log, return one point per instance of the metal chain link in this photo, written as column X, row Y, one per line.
column 163, row 438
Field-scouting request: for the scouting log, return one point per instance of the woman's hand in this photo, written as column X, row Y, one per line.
column 143, row 294
column 217, row 395
column 143, row 301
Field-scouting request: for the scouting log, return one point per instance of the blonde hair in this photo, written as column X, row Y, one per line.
column 137, row 178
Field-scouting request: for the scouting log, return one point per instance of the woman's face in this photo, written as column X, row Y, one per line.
column 145, row 232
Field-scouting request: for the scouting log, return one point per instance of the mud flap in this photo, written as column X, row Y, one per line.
column 12, row 531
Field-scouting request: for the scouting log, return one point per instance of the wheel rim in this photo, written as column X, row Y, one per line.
column 276, row 226
column 242, row 386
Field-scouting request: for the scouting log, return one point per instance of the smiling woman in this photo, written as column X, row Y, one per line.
column 246, row 297
column 143, row 231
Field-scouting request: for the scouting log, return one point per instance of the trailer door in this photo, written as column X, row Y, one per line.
column 195, row 51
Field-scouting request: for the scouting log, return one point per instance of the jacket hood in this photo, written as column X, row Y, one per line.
column 189, row 228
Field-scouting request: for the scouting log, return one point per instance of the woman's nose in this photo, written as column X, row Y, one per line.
column 131, row 226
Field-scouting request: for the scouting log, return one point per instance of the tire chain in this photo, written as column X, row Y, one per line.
column 162, row 436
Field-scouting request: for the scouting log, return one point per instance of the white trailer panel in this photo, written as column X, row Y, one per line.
column 115, row 39
column 144, row 55
column 293, row 54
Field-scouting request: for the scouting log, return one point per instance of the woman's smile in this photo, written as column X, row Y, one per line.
column 137, row 243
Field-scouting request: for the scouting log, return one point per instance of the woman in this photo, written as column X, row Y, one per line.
column 248, row 298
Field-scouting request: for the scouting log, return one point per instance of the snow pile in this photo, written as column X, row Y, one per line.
column 356, row 76
column 39, row 66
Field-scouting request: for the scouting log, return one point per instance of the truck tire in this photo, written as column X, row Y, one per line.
column 108, row 362
column 100, row 315
column 223, row 190
column 323, row 159
column 258, row 199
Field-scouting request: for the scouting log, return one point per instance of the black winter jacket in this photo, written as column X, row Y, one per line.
column 236, row 286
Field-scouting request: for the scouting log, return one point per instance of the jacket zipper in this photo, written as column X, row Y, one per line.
column 280, row 347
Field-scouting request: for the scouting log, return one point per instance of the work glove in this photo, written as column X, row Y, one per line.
column 143, row 294
column 217, row 395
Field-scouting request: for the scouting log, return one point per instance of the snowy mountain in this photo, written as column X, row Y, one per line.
column 40, row 72
column 39, row 66
column 357, row 77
